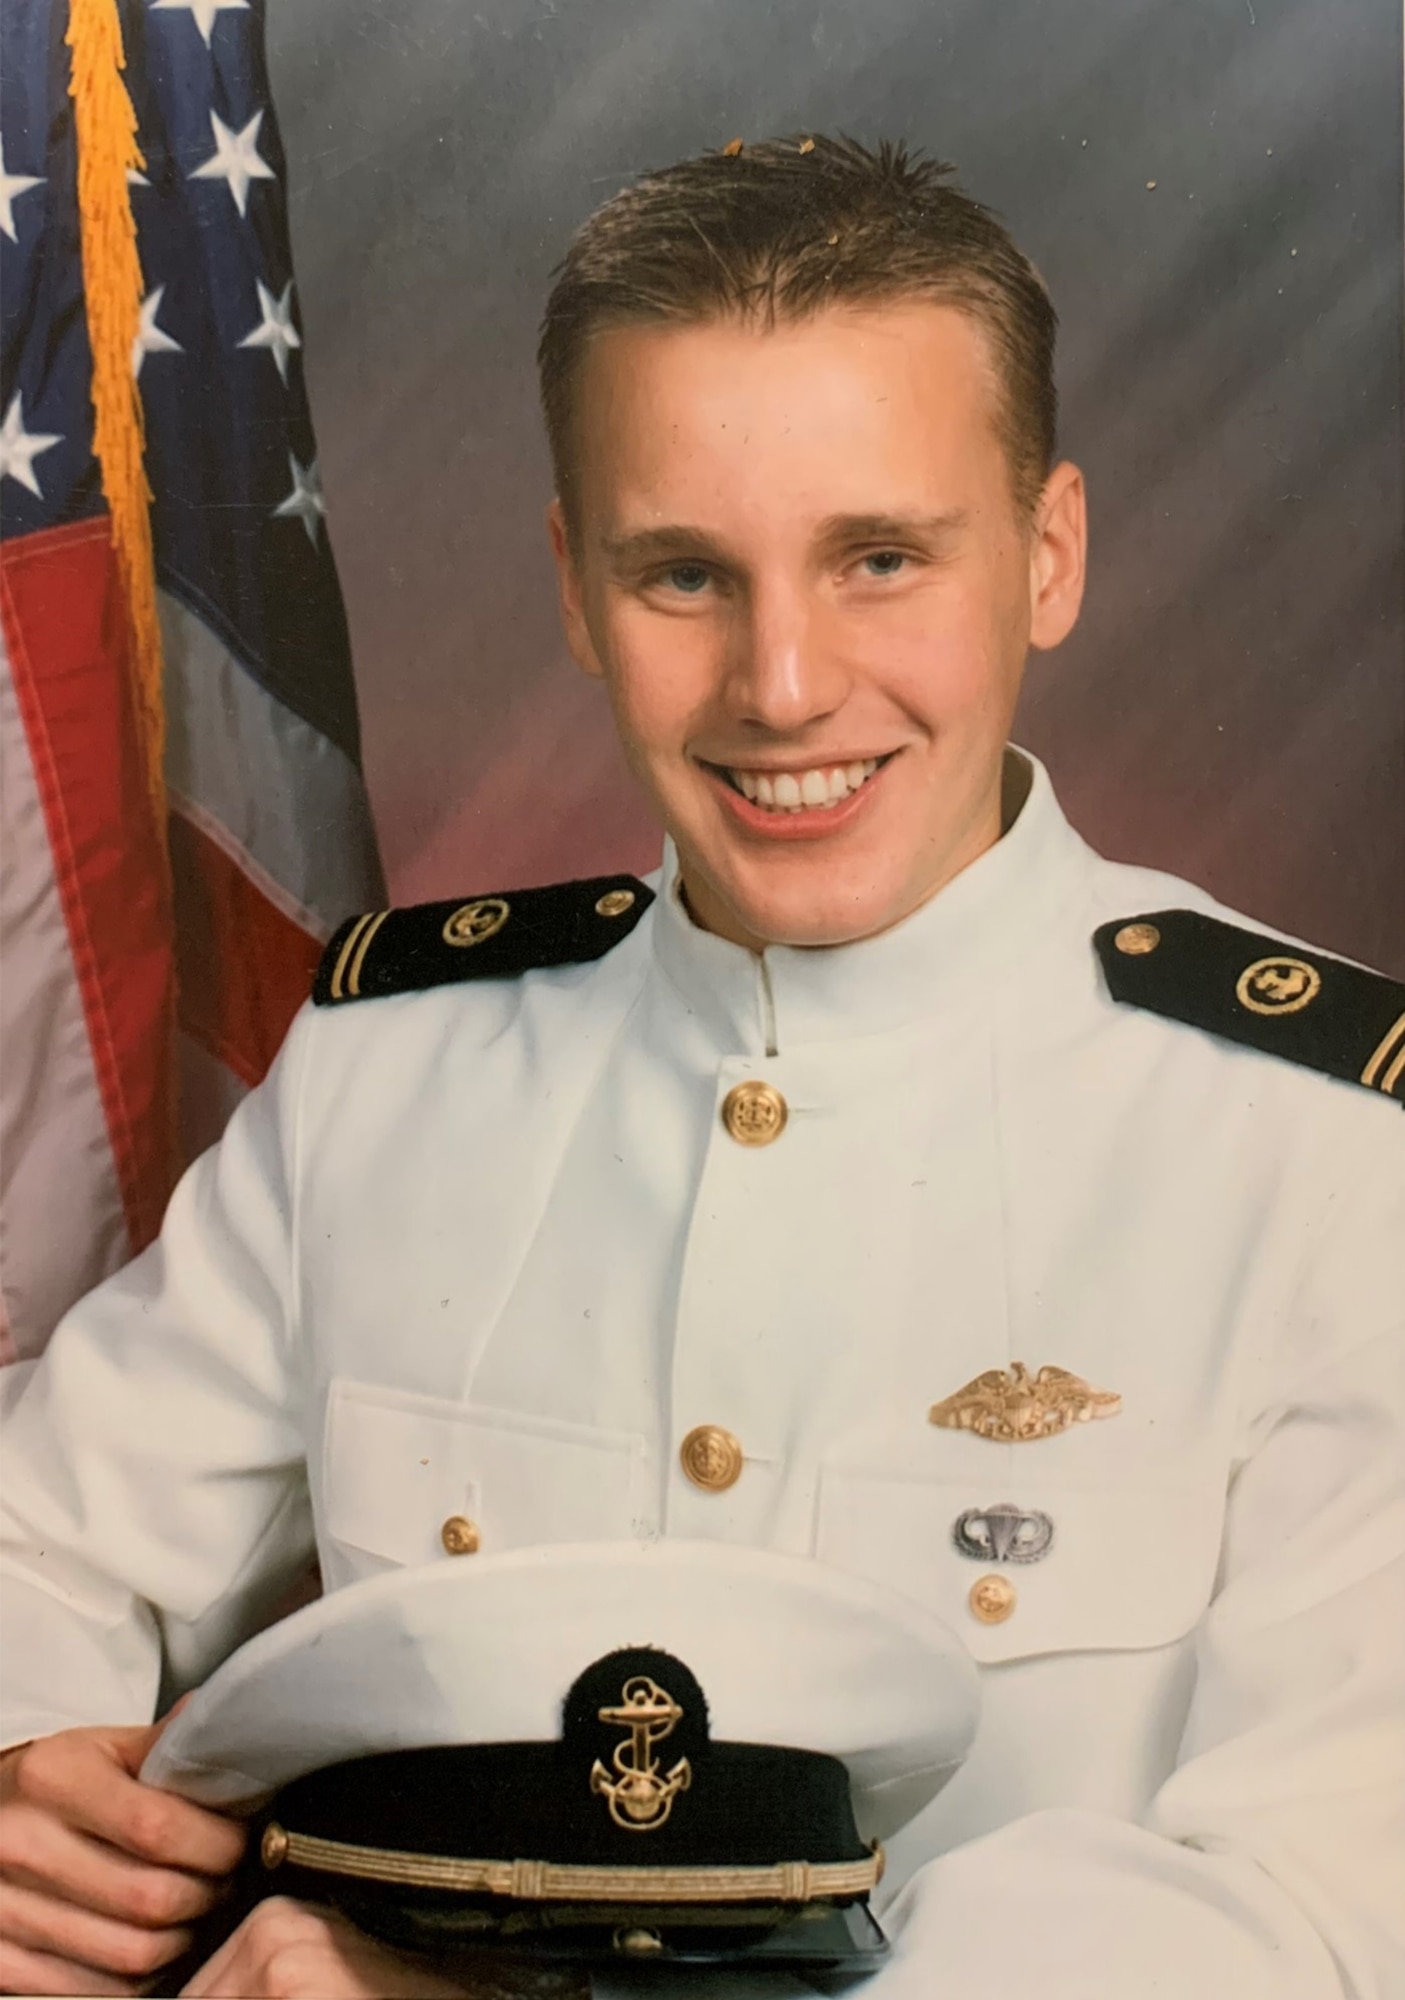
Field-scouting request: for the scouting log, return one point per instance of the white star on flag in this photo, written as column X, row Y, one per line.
column 203, row 12
column 136, row 178
column 236, row 159
column 19, row 448
column 275, row 330
column 305, row 502
column 151, row 338
column 10, row 186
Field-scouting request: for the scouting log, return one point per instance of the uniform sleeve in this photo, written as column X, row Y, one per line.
column 155, row 1501
column 1271, row 1864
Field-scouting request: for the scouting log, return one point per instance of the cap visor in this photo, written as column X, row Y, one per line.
column 815, row 1935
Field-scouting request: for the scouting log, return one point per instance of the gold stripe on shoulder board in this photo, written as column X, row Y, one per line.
column 335, row 989
column 353, row 978
column 1395, row 1032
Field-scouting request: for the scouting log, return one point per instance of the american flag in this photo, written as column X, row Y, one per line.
column 149, row 973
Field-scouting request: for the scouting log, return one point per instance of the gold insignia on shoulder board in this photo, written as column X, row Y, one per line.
column 1011, row 1406
column 1278, row 985
column 472, row 923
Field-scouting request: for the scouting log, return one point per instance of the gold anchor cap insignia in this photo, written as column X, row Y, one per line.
column 1011, row 1406
column 641, row 1798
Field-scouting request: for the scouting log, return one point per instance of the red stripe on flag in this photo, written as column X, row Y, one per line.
column 245, row 967
column 66, row 630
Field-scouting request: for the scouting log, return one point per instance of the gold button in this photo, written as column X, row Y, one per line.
column 615, row 902
column 459, row 1536
column 1136, row 939
column 992, row 1599
column 273, row 1848
column 754, row 1113
column 711, row 1457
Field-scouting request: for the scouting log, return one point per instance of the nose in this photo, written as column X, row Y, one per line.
column 782, row 675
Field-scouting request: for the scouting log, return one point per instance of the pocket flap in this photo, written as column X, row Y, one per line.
column 398, row 1466
column 1126, row 1567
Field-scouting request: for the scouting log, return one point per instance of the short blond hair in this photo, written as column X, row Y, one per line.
column 781, row 229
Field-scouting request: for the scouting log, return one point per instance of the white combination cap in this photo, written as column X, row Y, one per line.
column 788, row 1652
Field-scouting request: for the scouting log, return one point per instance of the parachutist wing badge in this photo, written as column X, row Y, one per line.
column 1011, row 1406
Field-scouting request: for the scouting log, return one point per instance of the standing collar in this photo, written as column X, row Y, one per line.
column 995, row 913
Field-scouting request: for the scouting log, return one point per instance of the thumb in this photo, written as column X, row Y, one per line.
column 182, row 1701
column 132, row 1746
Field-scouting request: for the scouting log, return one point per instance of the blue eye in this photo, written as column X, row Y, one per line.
column 885, row 562
column 690, row 578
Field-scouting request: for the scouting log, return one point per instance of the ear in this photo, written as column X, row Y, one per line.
column 570, row 594
column 1058, row 557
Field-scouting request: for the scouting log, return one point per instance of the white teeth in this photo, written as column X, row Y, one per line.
column 804, row 791
column 814, row 789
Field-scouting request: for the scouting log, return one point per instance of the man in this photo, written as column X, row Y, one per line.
column 737, row 1212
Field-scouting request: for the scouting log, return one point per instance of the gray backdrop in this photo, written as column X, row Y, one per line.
column 1232, row 705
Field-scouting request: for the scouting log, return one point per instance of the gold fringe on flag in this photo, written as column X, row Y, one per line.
column 112, row 282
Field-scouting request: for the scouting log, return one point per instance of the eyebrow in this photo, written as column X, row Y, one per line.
column 936, row 528
column 658, row 544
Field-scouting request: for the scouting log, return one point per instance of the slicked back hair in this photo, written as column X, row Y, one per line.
column 778, row 231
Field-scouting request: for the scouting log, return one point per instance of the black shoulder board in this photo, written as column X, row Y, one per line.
column 1253, row 989
column 483, row 937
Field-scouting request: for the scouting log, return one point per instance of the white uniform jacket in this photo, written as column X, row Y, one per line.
column 490, row 1251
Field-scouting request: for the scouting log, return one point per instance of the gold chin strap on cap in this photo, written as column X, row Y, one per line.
column 555, row 1881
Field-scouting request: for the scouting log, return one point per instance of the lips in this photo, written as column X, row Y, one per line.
column 788, row 814
column 820, row 789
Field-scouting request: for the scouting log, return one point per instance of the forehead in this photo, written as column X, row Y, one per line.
column 904, row 393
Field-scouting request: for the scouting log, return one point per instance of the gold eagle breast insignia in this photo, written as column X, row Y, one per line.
column 1011, row 1406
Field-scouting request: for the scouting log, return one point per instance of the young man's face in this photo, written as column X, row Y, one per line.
column 800, row 569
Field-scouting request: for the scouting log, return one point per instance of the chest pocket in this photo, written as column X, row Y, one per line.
column 399, row 1468
column 1126, row 1568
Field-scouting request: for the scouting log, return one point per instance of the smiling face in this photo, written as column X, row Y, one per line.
column 800, row 569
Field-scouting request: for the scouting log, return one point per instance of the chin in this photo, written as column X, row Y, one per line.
column 813, row 921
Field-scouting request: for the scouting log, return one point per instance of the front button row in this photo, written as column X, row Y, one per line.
column 711, row 1457
column 754, row 1113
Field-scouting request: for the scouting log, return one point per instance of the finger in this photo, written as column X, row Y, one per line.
column 134, row 1744
column 245, row 1963
column 209, row 1980
column 44, row 1923
column 23, row 1971
column 85, row 1784
column 39, row 1852
column 367, row 1967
